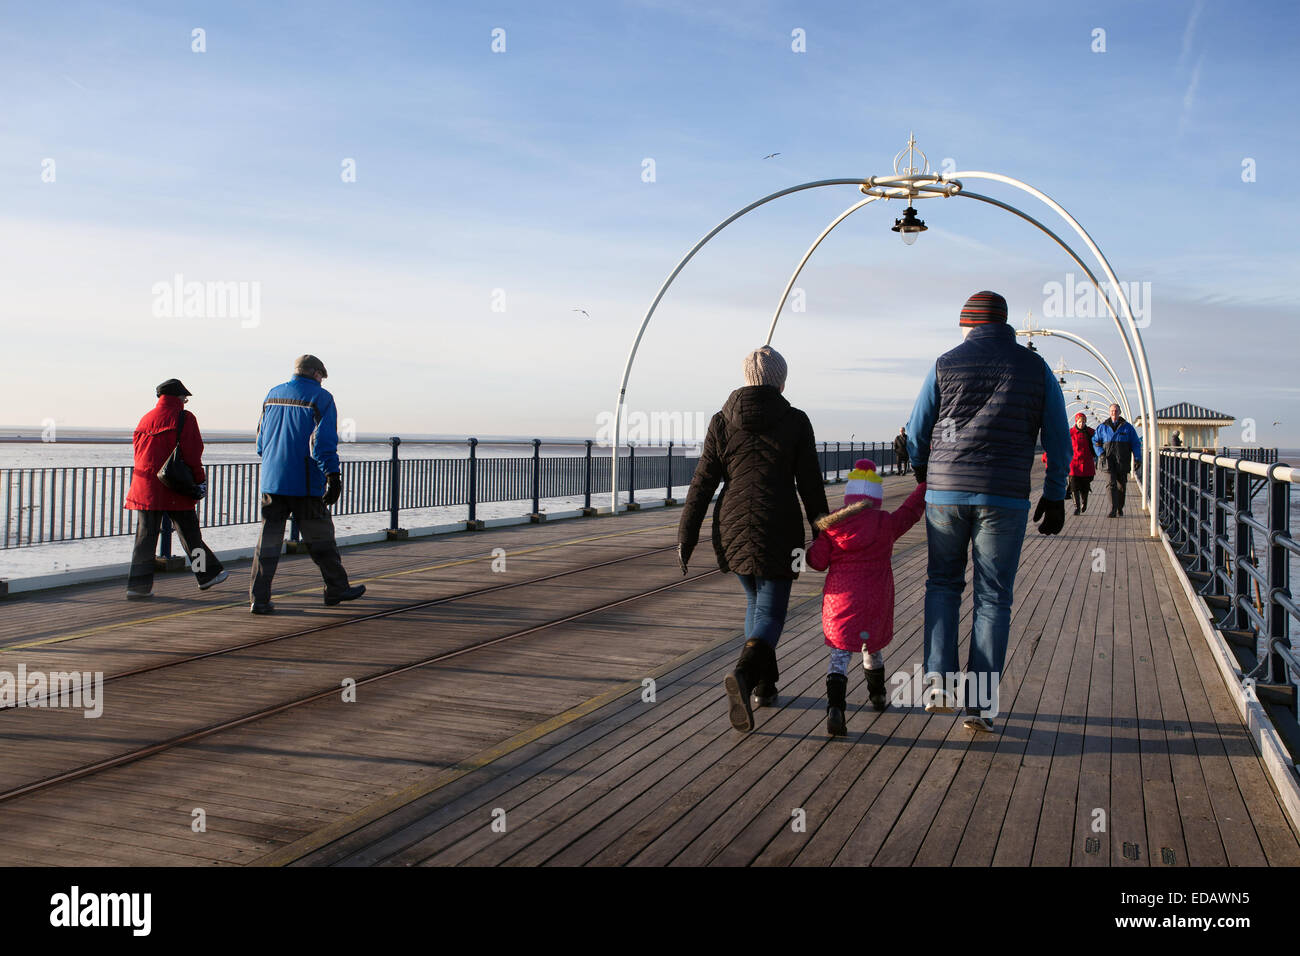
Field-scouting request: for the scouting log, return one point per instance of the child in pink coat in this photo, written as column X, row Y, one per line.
column 856, row 543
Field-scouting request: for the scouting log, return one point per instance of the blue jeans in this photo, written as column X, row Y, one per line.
column 768, row 600
column 994, row 536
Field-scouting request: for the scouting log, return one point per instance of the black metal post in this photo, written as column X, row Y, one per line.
column 1221, row 505
column 838, row 461
column 631, row 478
column 165, row 538
column 472, row 480
column 1241, row 536
column 668, row 495
column 537, row 476
column 1279, row 493
column 826, row 463
column 586, row 492
column 1203, row 518
column 394, row 486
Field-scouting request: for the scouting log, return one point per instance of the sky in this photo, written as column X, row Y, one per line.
column 382, row 188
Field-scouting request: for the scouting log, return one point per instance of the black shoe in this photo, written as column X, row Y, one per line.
column 1078, row 510
column 1121, row 512
column 740, row 684
column 134, row 594
column 836, row 685
column 1112, row 513
column 267, row 608
column 876, row 688
column 351, row 594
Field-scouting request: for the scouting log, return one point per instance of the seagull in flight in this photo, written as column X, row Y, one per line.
column 1183, row 369
column 583, row 311
column 771, row 155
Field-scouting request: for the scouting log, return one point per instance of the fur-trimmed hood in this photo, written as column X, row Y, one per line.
column 848, row 511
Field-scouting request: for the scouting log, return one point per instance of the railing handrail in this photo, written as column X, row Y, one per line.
column 1279, row 471
column 50, row 503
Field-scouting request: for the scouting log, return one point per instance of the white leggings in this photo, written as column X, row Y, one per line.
column 840, row 661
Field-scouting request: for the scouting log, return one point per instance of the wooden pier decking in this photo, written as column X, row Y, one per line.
column 1118, row 743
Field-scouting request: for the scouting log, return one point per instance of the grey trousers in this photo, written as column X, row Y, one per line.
column 317, row 529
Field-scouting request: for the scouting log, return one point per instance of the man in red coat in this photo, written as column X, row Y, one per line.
column 155, row 438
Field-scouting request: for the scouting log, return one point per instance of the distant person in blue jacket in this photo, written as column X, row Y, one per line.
column 297, row 438
column 1119, row 444
column 972, row 437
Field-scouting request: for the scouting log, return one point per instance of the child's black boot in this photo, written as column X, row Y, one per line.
column 836, row 685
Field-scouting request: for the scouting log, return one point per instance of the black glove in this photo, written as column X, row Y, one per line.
column 202, row 489
column 681, row 559
column 1053, row 515
column 333, row 488
column 919, row 471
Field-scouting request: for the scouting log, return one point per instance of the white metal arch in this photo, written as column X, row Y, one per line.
column 934, row 186
column 645, row 321
column 1110, row 394
column 1106, row 397
column 1090, row 349
column 1119, row 325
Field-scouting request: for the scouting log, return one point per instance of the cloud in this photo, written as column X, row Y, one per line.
column 1189, row 95
column 1189, row 32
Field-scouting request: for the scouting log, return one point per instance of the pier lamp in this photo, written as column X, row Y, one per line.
column 909, row 227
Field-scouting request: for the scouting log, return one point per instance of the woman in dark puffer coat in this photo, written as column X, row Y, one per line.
column 763, row 450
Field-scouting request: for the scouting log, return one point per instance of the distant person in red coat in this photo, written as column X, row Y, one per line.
column 1083, row 466
column 856, row 543
column 155, row 438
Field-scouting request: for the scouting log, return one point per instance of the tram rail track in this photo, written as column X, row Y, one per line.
column 334, row 625
column 191, row 736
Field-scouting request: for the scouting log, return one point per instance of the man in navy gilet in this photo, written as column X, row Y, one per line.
column 972, row 439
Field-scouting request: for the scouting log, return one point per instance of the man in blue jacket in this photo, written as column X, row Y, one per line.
column 297, row 438
column 1119, row 443
column 972, row 439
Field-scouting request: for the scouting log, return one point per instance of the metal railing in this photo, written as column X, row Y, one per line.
column 45, row 505
column 1240, row 560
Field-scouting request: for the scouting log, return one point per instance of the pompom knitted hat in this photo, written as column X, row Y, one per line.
column 864, row 484
column 765, row 366
column 983, row 308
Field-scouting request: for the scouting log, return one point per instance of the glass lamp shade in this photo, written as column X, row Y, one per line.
column 909, row 227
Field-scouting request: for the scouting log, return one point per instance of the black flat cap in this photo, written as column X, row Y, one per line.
column 172, row 386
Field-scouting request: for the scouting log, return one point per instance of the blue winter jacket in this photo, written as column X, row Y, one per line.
column 1108, row 441
column 297, row 438
column 981, row 410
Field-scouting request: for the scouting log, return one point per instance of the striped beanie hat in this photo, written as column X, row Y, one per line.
column 864, row 484
column 982, row 308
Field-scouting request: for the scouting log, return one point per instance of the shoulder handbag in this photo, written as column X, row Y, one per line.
column 175, row 474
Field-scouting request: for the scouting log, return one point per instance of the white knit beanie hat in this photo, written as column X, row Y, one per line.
column 765, row 366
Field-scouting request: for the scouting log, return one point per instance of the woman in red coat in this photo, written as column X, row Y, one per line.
column 155, row 438
column 1083, row 466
